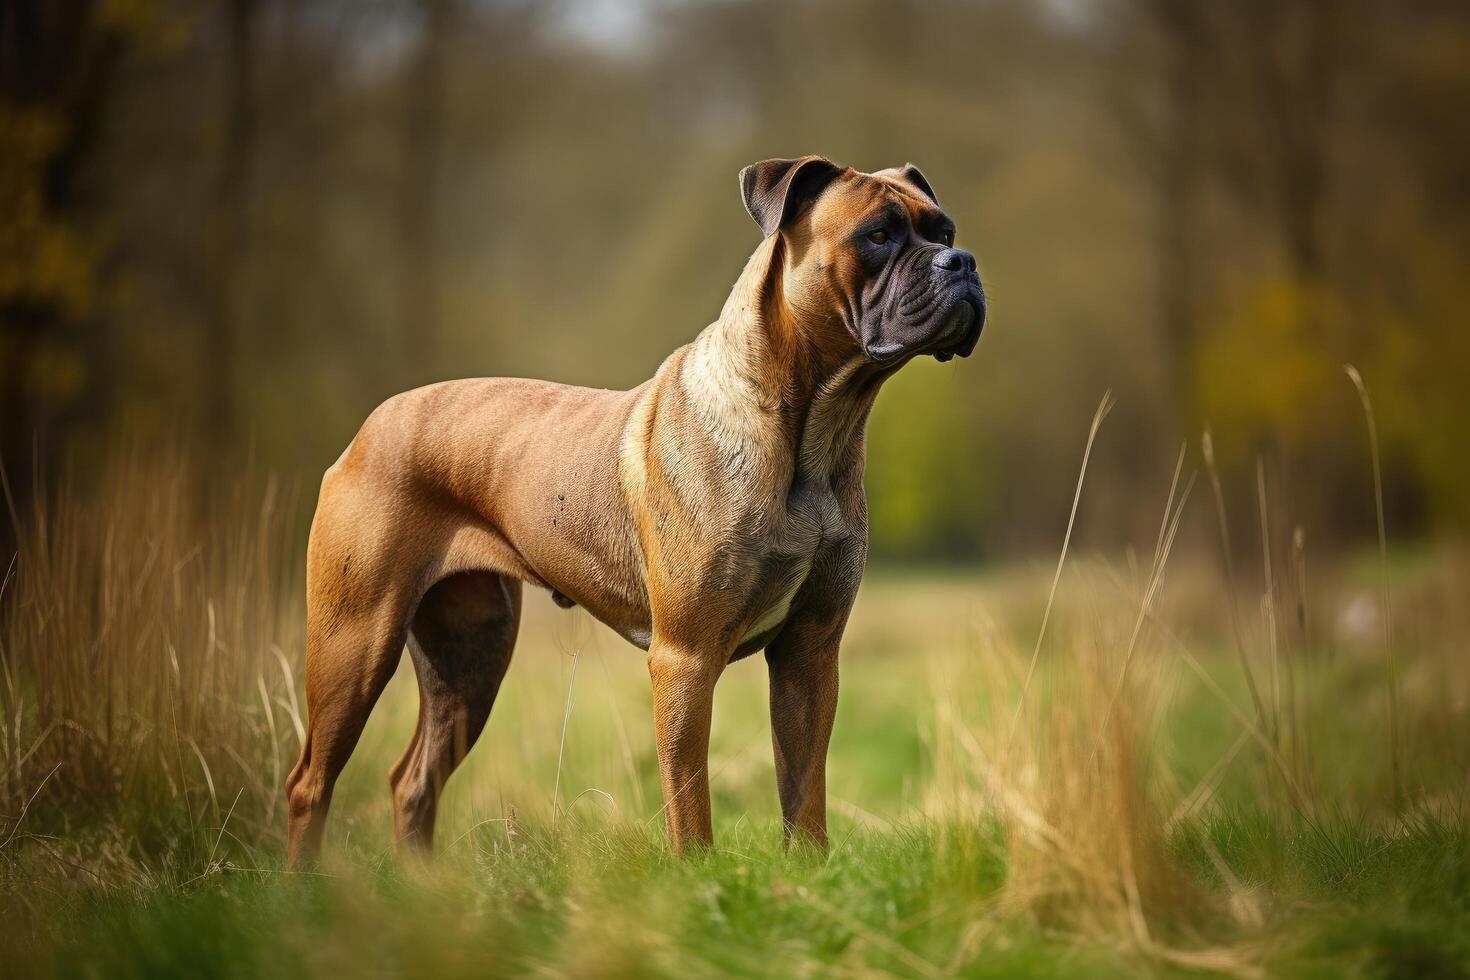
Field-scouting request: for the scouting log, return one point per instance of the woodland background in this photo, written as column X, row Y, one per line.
column 243, row 224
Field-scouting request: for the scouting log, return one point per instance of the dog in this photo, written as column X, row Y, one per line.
column 713, row 511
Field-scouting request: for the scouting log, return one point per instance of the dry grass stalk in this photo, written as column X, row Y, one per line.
column 1084, row 838
column 1268, row 600
column 137, row 634
column 1387, row 615
column 1207, row 449
column 1076, row 789
column 1168, row 529
column 1103, row 408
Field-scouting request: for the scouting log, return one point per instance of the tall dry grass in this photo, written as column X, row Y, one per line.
column 1073, row 774
column 148, row 638
column 1074, row 771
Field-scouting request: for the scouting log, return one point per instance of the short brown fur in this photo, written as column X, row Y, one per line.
column 711, row 512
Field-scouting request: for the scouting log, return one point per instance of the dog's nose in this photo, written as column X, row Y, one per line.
column 954, row 260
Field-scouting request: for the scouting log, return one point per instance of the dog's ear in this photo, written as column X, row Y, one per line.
column 910, row 174
column 774, row 191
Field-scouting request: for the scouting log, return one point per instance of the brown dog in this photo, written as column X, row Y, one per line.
column 713, row 511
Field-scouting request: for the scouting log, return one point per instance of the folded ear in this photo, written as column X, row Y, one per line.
column 911, row 174
column 774, row 191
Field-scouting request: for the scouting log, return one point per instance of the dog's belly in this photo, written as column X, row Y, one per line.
column 640, row 636
column 618, row 609
column 772, row 589
column 772, row 598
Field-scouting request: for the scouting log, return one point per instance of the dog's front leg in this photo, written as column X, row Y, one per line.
column 683, row 695
column 802, row 663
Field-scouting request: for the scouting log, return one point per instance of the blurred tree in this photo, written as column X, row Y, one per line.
column 230, row 250
column 56, row 62
column 295, row 208
column 419, row 200
column 1301, row 159
column 1187, row 55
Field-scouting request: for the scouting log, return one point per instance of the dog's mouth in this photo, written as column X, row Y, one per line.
column 885, row 353
column 961, row 330
column 956, row 336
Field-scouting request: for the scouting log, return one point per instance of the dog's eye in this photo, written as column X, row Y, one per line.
column 946, row 238
column 878, row 237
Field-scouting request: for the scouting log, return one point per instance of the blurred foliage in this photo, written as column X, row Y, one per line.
column 255, row 219
column 1263, row 371
column 42, row 259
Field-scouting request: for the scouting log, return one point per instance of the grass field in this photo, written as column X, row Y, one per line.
column 1134, row 812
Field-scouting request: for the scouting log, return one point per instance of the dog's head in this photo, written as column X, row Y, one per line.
column 875, row 251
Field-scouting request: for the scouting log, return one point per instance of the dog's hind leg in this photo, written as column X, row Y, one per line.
column 347, row 667
column 463, row 633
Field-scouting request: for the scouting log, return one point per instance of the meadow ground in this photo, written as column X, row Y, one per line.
column 1134, row 811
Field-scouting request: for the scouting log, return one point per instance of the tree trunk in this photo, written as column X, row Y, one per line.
column 56, row 68
column 419, row 322
column 231, row 244
column 1297, row 98
column 1184, row 40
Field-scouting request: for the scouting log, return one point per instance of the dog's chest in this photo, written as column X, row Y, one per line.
column 812, row 520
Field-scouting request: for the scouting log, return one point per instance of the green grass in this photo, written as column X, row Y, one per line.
column 602, row 901
column 918, row 899
column 144, row 746
column 911, row 886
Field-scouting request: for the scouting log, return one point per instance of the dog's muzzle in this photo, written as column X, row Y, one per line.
column 951, row 307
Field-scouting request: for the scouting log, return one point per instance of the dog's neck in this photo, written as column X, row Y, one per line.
column 760, row 373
